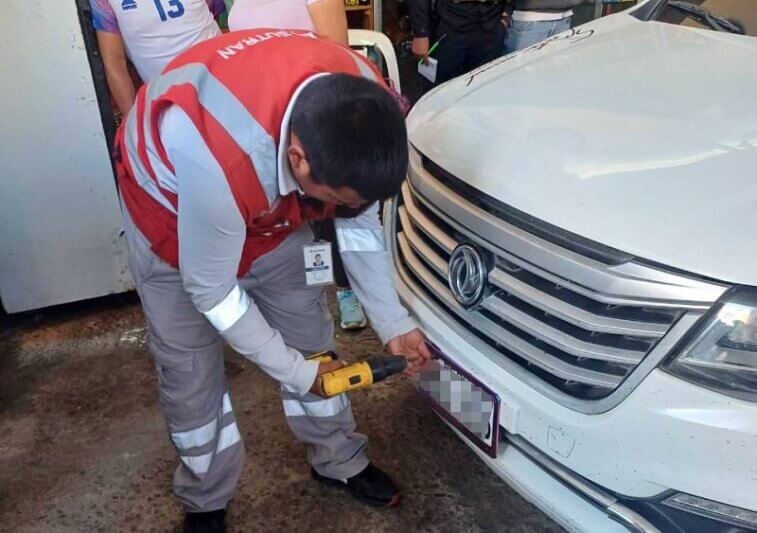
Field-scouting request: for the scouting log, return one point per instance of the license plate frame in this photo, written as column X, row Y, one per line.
column 490, row 448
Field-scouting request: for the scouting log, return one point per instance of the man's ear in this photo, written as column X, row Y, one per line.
column 297, row 159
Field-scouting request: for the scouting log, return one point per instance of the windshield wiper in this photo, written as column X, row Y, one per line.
column 716, row 22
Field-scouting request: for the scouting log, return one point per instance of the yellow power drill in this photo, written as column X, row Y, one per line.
column 356, row 375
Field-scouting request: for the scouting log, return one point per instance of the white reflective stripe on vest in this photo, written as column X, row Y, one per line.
column 360, row 240
column 195, row 437
column 198, row 464
column 319, row 409
column 229, row 437
column 230, row 113
column 166, row 179
column 140, row 172
column 225, row 314
column 365, row 70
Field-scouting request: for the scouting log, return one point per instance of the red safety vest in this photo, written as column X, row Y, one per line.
column 235, row 88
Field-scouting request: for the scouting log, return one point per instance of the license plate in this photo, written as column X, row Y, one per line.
column 461, row 400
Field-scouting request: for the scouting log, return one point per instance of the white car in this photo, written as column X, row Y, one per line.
column 578, row 239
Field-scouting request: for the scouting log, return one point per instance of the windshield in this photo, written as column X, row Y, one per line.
column 742, row 12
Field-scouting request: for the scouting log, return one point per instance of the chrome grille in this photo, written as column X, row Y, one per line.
column 577, row 324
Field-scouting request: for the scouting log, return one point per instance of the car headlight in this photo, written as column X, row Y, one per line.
column 723, row 355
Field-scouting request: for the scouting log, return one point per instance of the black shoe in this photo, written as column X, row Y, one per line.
column 370, row 486
column 210, row 522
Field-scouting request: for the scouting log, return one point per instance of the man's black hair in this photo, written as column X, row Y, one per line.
column 353, row 134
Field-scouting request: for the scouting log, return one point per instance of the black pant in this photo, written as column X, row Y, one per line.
column 459, row 53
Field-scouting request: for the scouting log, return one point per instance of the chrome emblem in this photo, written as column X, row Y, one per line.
column 467, row 275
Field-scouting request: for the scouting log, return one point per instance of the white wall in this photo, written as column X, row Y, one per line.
column 59, row 214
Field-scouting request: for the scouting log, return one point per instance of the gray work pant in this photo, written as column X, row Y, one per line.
column 194, row 396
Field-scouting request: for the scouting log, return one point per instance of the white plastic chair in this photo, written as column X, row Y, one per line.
column 375, row 39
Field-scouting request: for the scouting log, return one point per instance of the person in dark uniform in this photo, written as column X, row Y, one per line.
column 471, row 33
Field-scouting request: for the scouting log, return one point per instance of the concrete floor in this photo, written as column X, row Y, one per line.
column 83, row 446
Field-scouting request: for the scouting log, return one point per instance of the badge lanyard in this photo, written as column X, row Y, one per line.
column 317, row 256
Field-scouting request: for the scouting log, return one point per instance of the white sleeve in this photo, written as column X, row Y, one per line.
column 366, row 261
column 211, row 233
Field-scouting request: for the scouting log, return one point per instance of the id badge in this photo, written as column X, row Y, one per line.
column 318, row 266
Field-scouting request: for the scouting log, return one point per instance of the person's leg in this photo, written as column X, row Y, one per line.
column 276, row 283
column 351, row 315
column 451, row 55
column 485, row 47
column 193, row 393
column 523, row 34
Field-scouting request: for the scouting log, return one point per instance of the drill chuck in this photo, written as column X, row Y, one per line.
column 384, row 366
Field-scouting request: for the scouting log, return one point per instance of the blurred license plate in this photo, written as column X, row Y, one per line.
column 462, row 400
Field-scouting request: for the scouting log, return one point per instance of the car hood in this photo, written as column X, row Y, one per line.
column 641, row 136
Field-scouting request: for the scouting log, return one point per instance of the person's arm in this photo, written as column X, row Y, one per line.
column 361, row 245
column 116, row 71
column 111, row 46
column 211, row 234
column 330, row 19
column 420, row 22
column 217, row 8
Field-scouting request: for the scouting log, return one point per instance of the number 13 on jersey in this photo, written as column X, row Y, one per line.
column 175, row 9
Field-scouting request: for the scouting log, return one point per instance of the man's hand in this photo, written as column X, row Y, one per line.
column 420, row 48
column 325, row 368
column 411, row 345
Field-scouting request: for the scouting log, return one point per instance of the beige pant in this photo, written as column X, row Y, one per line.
column 193, row 391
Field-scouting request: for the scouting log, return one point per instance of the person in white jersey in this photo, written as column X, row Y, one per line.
column 150, row 33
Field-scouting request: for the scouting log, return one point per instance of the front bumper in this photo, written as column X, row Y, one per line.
column 572, row 502
column 666, row 435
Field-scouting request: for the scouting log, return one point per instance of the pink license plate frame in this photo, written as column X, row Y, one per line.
column 490, row 448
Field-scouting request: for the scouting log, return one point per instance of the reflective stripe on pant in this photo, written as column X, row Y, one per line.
column 193, row 392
